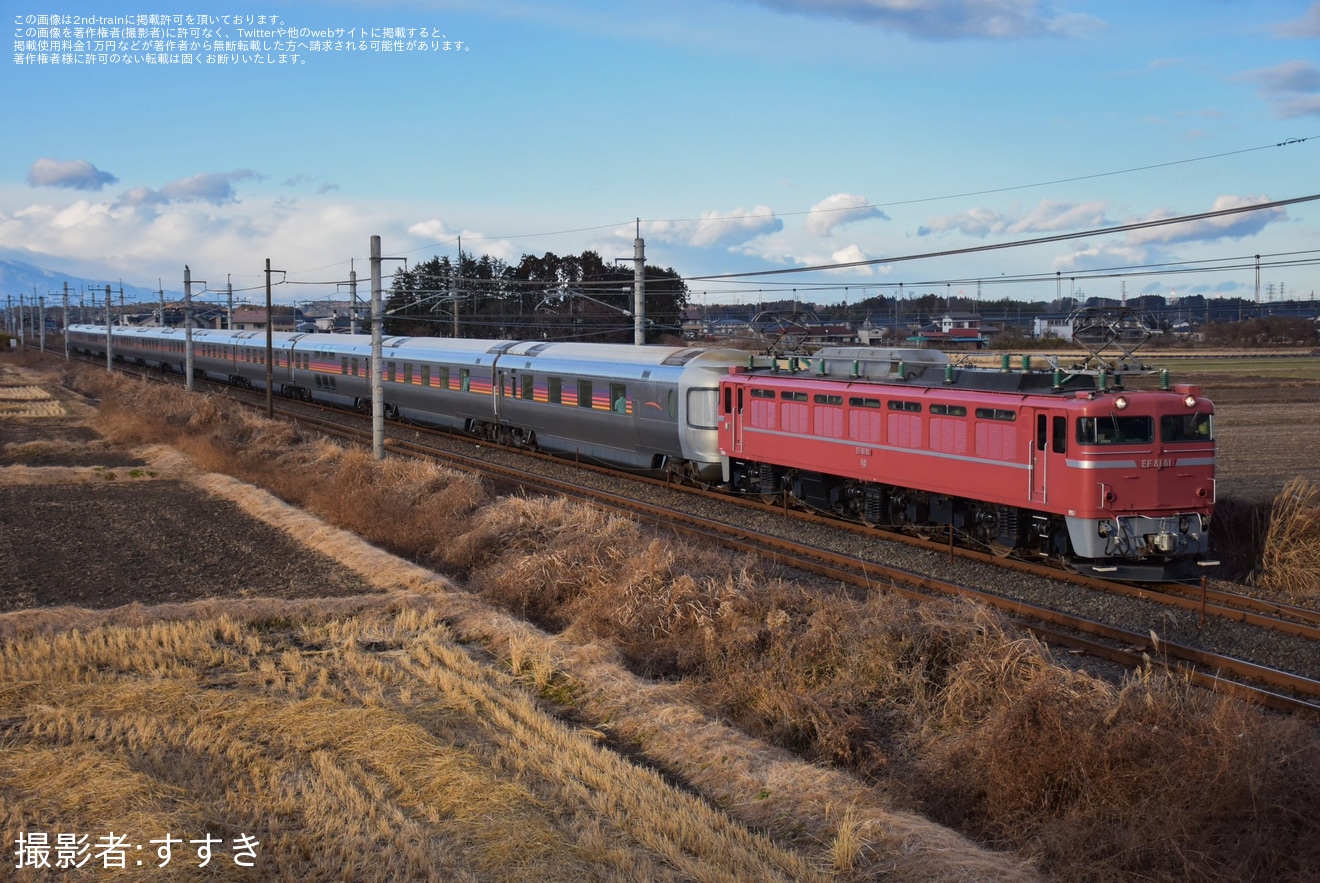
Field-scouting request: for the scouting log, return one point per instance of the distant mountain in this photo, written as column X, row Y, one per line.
column 18, row 277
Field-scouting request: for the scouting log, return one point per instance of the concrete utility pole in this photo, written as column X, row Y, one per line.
column 377, row 388
column 187, row 326
column 41, row 317
column 458, row 284
column 109, row 338
column 639, row 287
column 66, row 321
column 354, row 326
column 270, row 346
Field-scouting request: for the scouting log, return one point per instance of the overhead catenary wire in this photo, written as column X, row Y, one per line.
column 473, row 237
column 1017, row 243
column 876, row 261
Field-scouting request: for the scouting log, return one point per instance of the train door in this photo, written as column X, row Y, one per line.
column 733, row 415
column 1049, row 450
column 501, row 377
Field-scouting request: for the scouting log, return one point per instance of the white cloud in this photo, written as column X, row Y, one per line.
column 1293, row 87
column 143, row 243
column 76, row 174
column 1048, row 216
column 851, row 255
column 323, row 184
column 1290, row 76
column 948, row 19
column 1235, row 226
column 216, row 188
column 1305, row 27
column 437, row 231
column 840, row 210
column 1097, row 257
column 714, row 229
column 979, row 222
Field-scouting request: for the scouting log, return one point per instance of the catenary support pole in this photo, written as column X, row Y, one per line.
column 109, row 337
column 187, row 328
column 377, row 390
column 639, row 287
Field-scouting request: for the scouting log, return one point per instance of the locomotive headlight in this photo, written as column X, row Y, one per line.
column 1189, row 401
column 1120, row 402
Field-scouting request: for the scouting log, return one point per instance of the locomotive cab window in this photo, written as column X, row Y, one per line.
column 1176, row 428
column 1115, row 430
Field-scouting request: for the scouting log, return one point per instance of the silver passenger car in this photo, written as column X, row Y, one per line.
column 644, row 407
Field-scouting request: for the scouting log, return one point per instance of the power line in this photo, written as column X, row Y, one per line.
column 1288, row 142
column 1020, row 243
column 877, row 205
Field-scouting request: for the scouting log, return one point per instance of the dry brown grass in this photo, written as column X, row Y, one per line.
column 364, row 746
column 1290, row 557
column 940, row 707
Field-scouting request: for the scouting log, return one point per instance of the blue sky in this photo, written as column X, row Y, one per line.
column 743, row 135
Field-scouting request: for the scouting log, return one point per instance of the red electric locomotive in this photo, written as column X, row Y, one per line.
column 1067, row 466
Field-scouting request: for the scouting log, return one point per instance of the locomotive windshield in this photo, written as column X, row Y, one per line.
column 1115, row 430
column 1196, row 427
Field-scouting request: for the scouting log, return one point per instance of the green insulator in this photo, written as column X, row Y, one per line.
column 1102, row 379
column 902, row 371
column 1058, row 378
column 1003, row 362
column 948, row 373
column 1026, row 362
column 1164, row 379
column 857, row 368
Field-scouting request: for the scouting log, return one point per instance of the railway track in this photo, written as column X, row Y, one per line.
column 1268, row 685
